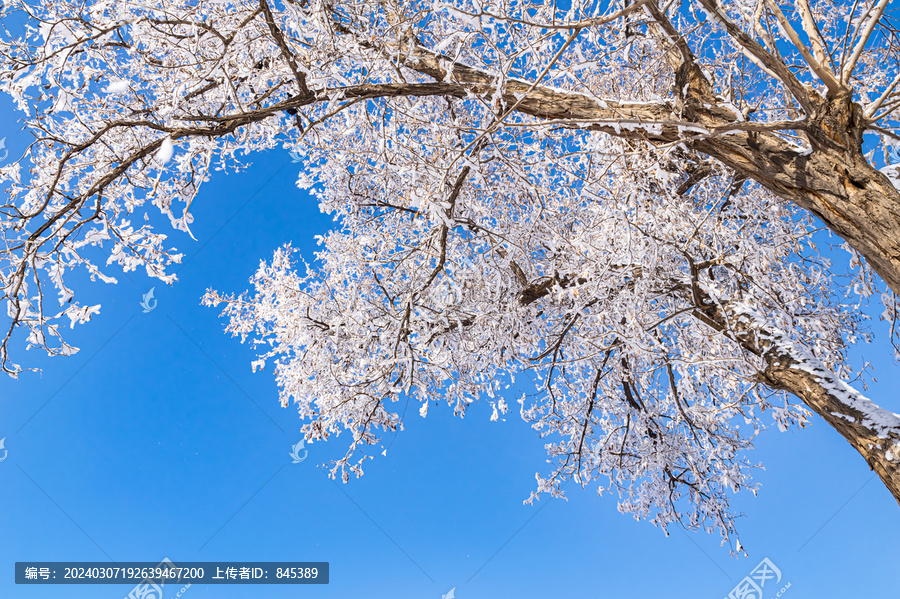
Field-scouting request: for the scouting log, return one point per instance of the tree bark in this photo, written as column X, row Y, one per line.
column 874, row 442
column 873, row 431
column 834, row 181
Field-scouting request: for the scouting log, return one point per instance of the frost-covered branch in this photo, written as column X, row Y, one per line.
column 610, row 202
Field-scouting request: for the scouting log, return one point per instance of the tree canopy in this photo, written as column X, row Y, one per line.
column 610, row 204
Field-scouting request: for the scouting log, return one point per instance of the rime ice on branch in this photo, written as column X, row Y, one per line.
column 611, row 205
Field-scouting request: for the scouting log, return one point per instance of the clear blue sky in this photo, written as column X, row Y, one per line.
column 156, row 435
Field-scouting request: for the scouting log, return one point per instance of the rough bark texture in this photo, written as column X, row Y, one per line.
column 874, row 433
column 783, row 374
column 822, row 392
column 834, row 181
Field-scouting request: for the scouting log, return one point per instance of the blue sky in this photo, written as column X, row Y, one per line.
column 156, row 440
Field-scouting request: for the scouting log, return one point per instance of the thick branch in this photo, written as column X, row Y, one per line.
column 834, row 181
column 873, row 431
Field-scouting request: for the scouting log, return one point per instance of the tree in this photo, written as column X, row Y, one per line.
column 613, row 201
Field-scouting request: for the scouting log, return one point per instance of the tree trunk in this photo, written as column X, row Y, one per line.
column 834, row 181
column 873, row 431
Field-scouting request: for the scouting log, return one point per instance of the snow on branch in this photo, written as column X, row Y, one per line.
column 523, row 195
